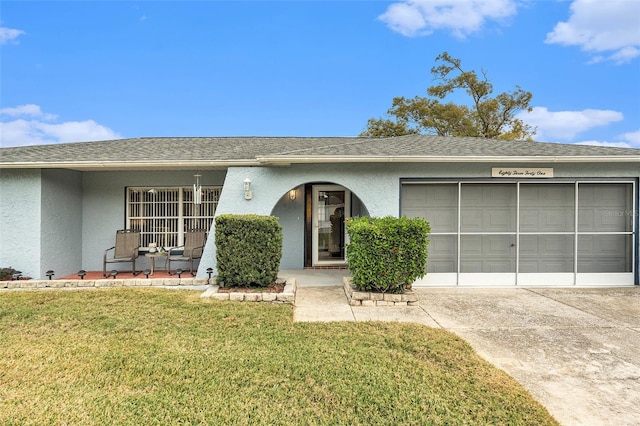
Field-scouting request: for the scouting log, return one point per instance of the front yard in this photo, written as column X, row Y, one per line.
column 154, row 356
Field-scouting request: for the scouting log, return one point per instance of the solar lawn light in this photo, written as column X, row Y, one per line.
column 49, row 274
column 114, row 274
column 179, row 272
column 146, row 273
column 82, row 273
column 209, row 272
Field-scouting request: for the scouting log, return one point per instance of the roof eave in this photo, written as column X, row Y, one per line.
column 286, row 160
column 128, row 165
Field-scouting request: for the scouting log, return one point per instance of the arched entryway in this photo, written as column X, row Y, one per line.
column 313, row 217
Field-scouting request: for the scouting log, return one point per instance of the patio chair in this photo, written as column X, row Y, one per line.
column 125, row 250
column 192, row 249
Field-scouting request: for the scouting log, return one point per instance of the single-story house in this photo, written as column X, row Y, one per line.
column 501, row 212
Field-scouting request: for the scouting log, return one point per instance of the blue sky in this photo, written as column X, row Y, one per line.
column 84, row 70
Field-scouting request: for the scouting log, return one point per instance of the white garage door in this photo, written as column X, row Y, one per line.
column 526, row 233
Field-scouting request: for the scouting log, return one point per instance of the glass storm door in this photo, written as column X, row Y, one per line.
column 331, row 205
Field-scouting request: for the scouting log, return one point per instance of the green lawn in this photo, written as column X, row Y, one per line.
column 153, row 356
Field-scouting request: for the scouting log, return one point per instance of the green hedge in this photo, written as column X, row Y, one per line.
column 387, row 254
column 6, row 274
column 248, row 249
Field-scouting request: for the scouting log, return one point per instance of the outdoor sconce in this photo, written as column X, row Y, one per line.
column 114, row 274
column 49, row 274
column 247, row 189
column 82, row 273
column 179, row 272
column 146, row 273
column 292, row 194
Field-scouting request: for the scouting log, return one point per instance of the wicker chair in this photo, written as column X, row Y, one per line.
column 192, row 249
column 125, row 250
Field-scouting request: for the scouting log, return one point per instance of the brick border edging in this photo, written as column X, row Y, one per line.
column 363, row 298
column 103, row 283
column 288, row 295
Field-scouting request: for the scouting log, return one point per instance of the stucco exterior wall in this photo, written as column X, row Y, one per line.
column 103, row 206
column 61, row 222
column 43, row 214
column 20, row 221
column 376, row 185
column 291, row 217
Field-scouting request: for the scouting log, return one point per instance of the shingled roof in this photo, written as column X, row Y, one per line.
column 222, row 152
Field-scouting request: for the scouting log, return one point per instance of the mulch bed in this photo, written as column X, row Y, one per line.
column 277, row 287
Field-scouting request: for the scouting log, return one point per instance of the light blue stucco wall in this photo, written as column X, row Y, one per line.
column 103, row 207
column 20, row 221
column 291, row 217
column 61, row 222
column 271, row 184
column 376, row 185
column 39, row 209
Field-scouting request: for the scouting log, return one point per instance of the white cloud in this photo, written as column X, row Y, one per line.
column 30, row 110
column 628, row 140
column 567, row 124
column 610, row 30
column 632, row 137
column 9, row 35
column 609, row 144
column 28, row 125
column 462, row 17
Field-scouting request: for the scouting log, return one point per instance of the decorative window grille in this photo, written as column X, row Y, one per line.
column 164, row 214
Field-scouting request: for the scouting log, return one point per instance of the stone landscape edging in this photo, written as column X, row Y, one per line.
column 104, row 283
column 288, row 294
column 356, row 297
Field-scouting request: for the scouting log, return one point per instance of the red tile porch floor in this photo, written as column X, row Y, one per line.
column 122, row 275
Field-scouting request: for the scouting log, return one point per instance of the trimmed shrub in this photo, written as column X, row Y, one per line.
column 6, row 274
column 387, row 254
column 249, row 248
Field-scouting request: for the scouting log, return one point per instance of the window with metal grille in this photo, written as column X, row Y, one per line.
column 164, row 214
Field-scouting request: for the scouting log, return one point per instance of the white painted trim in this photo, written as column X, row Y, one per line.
column 542, row 279
column 437, row 279
column 129, row 165
column 323, row 159
column 314, row 223
column 605, row 279
column 564, row 279
column 487, row 279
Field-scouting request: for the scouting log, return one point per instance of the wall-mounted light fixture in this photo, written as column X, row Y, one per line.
column 247, row 189
column 197, row 189
column 292, row 194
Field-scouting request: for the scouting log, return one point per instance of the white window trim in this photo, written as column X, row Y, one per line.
column 175, row 210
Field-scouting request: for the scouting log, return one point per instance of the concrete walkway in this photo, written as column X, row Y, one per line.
column 576, row 350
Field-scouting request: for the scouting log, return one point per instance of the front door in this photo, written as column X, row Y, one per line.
column 331, row 205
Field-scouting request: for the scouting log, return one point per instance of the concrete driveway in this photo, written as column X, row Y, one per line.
column 577, row 351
